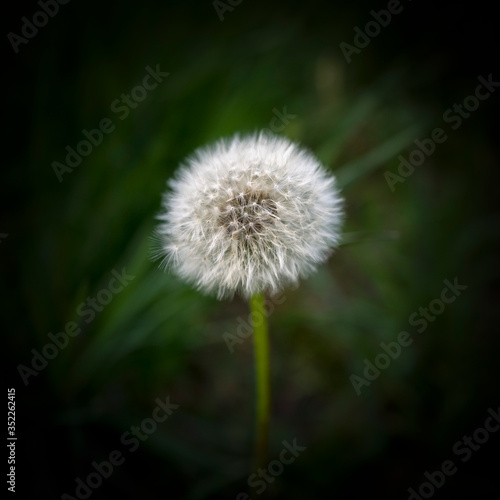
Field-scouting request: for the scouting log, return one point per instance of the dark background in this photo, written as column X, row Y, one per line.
column 159, row 337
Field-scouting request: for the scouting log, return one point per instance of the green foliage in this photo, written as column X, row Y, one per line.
column 160, row 337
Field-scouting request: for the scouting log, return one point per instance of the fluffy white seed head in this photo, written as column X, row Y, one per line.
column 249, row 214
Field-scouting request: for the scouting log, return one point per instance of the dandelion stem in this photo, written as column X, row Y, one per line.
column 262, row 385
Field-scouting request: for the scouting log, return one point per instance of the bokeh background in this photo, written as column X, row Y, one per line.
column 159, row 337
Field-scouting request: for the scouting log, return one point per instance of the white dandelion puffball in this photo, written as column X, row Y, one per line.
column 247, row 215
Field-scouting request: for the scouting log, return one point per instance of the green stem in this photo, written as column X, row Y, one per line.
column 262, row 385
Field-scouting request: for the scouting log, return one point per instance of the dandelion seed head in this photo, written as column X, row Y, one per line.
column 247, row 215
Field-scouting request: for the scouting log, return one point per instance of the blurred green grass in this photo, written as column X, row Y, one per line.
column 160, row 337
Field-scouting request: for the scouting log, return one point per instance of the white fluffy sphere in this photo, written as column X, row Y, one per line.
column 249, row 214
